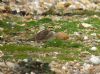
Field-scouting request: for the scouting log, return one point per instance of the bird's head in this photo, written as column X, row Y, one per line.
column 50, row 28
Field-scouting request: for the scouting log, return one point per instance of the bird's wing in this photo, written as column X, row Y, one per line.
column 42, row 35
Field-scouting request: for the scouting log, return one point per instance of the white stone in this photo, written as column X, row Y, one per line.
column 54, row 57
column 86, row 66
column 1, row 54
column 93, row 34
column 41, row 28
column 25, row 60
column 32, row 73
column 56, row 53
column 9, row 64
column 1, row 29
column 86, row 25
column 38, row 60
column 1, row 73
column 1, row 36
column 76, row 33
column 63, row 67
column 85, row 38
column 97, row 40
column 1, row 44
column 94, row 59
column 93, row 48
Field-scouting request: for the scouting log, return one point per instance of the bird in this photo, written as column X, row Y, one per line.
column 44, row 35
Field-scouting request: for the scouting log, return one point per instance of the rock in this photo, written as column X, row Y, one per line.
column 62, row 36
column 1, row 29
column 86, row 25
column 1, row 54
column 85, row 38
column 7, row 64
column 98, row 36
column 86, row 66
column 1, row 44
column 94, row 59
column 1, row 73
column 32, row 73
column 33, row 67
column 93, row 48
column 85, row 1
column 62, row 5
column 25, row 60
column 77, row 33
column 97, row 69
column 42, row 6
column 65, row 66
column 75, row 5
column 88, row 69
column 93, row 34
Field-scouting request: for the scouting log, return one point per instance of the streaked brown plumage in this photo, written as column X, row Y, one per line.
column 43, row 36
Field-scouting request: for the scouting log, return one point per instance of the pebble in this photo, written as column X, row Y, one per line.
column 1, row 54
column 93, row 34
column 93, row 48
column 1, row 29
column 94, row 59
column 85, row 38
column 86, row 25
column 56, row 67
column 25, row 60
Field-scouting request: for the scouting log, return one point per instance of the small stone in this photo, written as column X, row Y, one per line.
column 54, row 57
column 38, row 60
column 25, row 60
column 86, row 66
column 76, row 33
column 10, row 64
column 86, row 25
column 1, row 29
column 1, row 73
column 85, row 38
column 22, row 24
column 77, row 65
column 63, row 67
column 94, row 59
column 1, row 54
column 56, row 53
column 1, row 44
column 93, row 34
column 93, row 48
column 32, row 73
column 98, row 36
